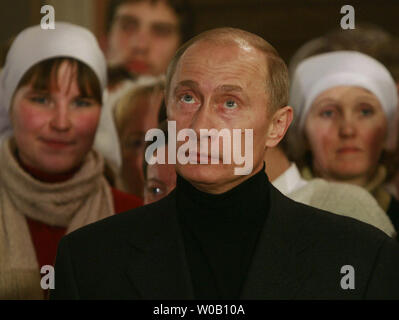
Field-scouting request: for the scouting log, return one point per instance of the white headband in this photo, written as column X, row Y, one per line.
column 344, row 68
column 34, row 45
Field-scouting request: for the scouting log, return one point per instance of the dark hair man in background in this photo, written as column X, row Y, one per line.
column 143, row 35
column 219, row 235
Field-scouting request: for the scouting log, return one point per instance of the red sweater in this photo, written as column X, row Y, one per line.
column 45, row 238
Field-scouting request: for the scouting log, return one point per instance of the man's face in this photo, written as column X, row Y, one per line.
column 220, row 87
column 144, row 37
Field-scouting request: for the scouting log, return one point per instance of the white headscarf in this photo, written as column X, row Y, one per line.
column 34, row 45
column 343, row 68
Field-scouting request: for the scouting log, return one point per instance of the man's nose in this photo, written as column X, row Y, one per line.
column 61, row 118
column 141, row 41
column 202, row 119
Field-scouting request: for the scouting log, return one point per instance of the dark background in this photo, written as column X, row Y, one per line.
column 287, row 24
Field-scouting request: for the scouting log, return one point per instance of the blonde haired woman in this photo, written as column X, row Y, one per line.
column 136, row 113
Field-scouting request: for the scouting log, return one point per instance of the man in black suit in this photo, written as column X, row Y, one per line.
column 220, row 235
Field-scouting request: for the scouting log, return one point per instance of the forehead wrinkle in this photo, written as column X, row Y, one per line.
column 229, row 88
column 233, row 68
column 187, row 83
column 233, row 50
column 228, row 71
column 231, row 79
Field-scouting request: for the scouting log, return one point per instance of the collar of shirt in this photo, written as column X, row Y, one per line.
column 290, row 180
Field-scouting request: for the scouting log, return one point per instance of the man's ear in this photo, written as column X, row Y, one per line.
column 278, row 126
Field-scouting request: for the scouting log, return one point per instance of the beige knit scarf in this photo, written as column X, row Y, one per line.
column 375, row 186
column 83, row 199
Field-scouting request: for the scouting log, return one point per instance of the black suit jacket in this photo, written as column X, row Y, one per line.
column 140, row 255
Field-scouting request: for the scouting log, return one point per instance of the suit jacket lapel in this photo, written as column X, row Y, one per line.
column 158, row 267
column 280, row 264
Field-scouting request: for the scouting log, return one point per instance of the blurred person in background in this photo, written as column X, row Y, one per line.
column 389, row 56
column 143, row 35
column 51, row 181
column 160, row 179
column 340, row 198
column 346, row 108
column 136, row 113
column 376, row 42
column 367, row 38
column 5, row 125
column 384, row 47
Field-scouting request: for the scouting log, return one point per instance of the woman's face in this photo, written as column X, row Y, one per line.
column 346, row 130
column 54, row 129
column 161, row 179
column 141, row 118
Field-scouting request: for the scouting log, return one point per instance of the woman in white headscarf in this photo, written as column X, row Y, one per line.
column 345, row 106
column 51, row 181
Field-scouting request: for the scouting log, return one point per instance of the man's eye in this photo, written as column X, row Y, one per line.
column 128, row 27
column 230, row 104
column 162, row 30
column 187, row 98
column 128, row 24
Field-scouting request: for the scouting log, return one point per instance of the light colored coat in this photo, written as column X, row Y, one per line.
column 339, row 198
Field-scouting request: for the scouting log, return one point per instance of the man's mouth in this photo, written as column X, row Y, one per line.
column 201, row 158
column 136, row 66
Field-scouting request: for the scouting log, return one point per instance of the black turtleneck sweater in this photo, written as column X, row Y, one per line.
column 220, row 234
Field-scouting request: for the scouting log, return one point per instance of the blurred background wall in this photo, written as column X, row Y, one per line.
column 16, row 15
column 285, row 23
column 82, row 12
